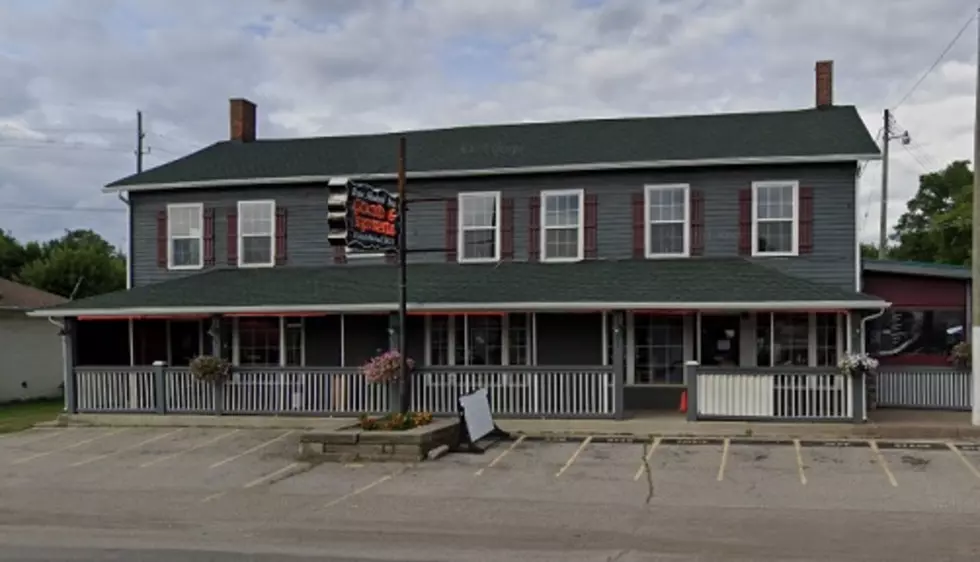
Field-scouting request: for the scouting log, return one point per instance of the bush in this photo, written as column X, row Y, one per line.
column 395, row 422
column 209, row 368
column 962, row 355
column 385, row 367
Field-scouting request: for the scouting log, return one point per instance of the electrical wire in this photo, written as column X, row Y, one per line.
column 935, row 63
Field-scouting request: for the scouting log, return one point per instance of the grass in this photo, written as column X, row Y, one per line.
column 23, row 415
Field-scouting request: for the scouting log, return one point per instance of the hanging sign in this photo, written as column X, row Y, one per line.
column 372, row 219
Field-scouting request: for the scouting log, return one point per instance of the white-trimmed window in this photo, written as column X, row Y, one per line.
column 256, row 233
column 800, row 339
column 562, row 225
column 667, row 216
column 479, row 227
column 479, row 340
column 185, row 236
column 775, row 218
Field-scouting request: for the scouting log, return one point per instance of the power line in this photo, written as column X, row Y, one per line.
column 935, row 64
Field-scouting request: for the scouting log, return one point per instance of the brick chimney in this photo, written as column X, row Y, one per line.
column 825, row 83
column 242, row 120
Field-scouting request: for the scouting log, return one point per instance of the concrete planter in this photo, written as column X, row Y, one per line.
column 351, row 443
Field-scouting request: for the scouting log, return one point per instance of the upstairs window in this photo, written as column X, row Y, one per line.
column 775, row 218
column 185, row 236
column 256, row 233
column 479, row 227
column 668, row 220
column 562, row 232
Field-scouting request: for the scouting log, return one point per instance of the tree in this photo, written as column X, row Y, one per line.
column 79, row 257
column 937, row 227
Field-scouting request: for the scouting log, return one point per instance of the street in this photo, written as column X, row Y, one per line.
column 94, row 494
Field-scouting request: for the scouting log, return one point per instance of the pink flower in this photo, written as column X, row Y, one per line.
column 385, row 367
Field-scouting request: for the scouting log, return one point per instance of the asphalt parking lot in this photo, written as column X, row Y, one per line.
column 207, row 483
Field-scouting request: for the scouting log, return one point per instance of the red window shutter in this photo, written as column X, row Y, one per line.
column 534, row 229
column 591, row 250
column 233, row 236
column 208, row 237
column 806, row 220
column 697, row 223
column 745, row 222
column 339, row 255
column 452, row 229
column 281, row 230
column 162, row 239
column 639, row 230
column 507, row 229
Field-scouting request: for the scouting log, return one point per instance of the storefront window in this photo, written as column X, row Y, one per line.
column 258, row 342
column 783, row 339
column 827, row 355
column 294, row 342
column 659, row 342
column 480, row 340
column 904, row 332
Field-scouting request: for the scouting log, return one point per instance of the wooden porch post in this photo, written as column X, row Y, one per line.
column 855, row 343
column 215, row 332
column 618, row 362
column 68, row 345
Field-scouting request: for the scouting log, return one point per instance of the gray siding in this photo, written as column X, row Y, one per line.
column 832, row 260
column 32, row 365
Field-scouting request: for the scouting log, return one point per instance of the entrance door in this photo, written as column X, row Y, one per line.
column 720, row 340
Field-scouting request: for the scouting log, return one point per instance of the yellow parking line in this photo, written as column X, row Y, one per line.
column 574, row 456
column 724, row 459
column 184, row 451
column 252, row 450
column 124, row 449
column 74, row 445
column 501, row 455
column 965, row 460
column 799, row 460
column 271, row 476
column 646, row 459
column 360, row 490
column 882, row 462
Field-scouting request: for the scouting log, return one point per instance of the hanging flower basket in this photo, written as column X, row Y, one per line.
column 961, row 356
column 208, row 368
column 385, row 367
column 858, row 364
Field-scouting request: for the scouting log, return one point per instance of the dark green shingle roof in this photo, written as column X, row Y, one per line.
column 919, row 268
column 803, row 133
column 702, row 280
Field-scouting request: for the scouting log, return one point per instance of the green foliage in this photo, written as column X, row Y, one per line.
column 938, row 223
column 209, row 368
column 80, row 257
column 394, row 422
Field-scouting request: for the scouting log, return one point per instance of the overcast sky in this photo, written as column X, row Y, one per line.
column 73, row 74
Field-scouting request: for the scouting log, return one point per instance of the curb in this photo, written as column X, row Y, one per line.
column 911, row 443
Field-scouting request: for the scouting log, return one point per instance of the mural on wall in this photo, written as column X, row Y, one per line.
column 916, row 332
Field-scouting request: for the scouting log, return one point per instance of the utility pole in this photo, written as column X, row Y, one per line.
column 888, row 135
column 405, row 399
column 883, row 227
column 140, row 135
column 975, row 254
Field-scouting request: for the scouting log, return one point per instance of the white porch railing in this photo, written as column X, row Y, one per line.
column 115, row 389
column 514, row 392
column 519, row 391
column 773, row 394
column 933, row 388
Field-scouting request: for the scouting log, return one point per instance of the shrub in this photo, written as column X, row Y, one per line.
column 385, row 367
column 209, row 368
column 962, row 355
column 395, row 422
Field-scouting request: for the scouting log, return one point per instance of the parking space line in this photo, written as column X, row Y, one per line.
column 966, row 461
column 74, row 445
column 724, row 459
column 184, row 451
column 574, row 456
column 271, row 476
column 882, row 462
column 49, row 435
column 799, row 460
column 645, row 463
column 501, row 455
column 213, row 497
column 252, row 450
column 128, row 448
column 360, row 490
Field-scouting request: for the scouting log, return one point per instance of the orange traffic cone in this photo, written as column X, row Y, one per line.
column 683, row 407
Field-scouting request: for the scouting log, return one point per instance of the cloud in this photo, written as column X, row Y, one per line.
column 74, row 74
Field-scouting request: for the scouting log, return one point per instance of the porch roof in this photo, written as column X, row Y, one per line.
column 695, row 283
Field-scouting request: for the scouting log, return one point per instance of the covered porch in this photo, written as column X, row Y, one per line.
column 593, row 353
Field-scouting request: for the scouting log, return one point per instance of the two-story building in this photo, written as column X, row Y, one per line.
column 573, row 267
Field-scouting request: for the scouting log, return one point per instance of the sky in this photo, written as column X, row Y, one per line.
column 75, row 73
